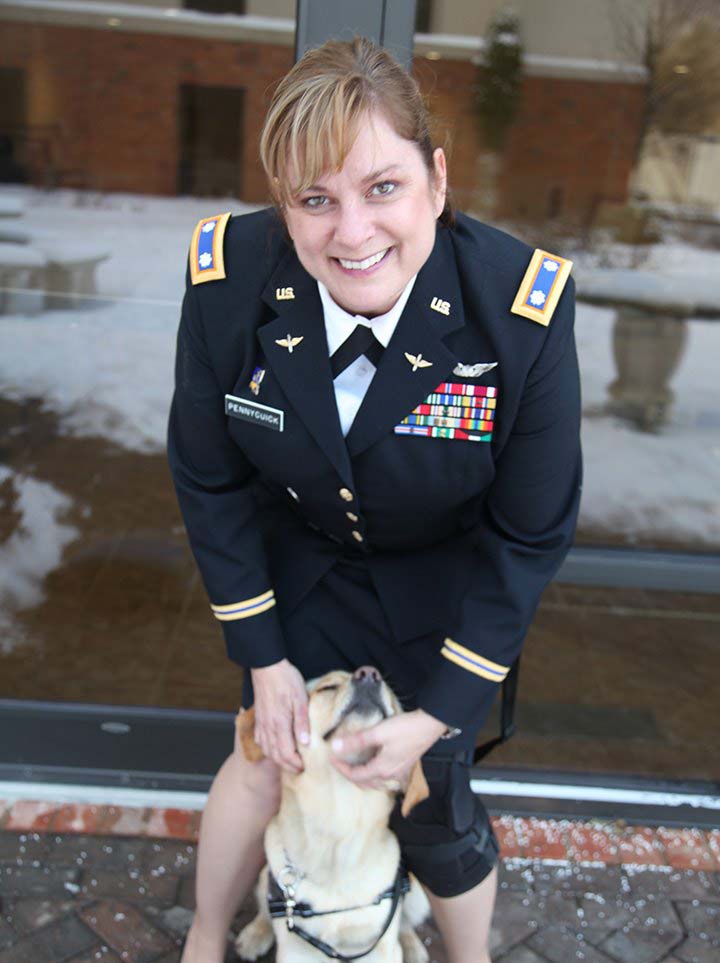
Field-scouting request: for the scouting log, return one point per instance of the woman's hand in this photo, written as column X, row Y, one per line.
column 281, row 713
column 400, row 741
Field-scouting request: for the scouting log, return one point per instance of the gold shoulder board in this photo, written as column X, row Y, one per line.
column 207, row 262
column 540, row 289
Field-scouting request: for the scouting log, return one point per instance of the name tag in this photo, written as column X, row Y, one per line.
column 254, row 412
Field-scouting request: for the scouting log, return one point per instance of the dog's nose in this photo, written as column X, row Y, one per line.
column 366, row 674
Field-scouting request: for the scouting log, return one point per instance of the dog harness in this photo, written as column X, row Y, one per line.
column 282, row 904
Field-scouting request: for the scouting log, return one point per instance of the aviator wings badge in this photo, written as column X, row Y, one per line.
column 473, row 370
column 289, row 342
column 417, row 361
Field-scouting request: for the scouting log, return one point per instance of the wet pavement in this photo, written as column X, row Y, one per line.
column 101, row 602
column 569, row 892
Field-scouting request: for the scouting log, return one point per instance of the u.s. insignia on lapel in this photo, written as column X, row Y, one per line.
column 453, row 411
column 289, row 342
column 541, row 287
column 417, row 361
column 473, row 370
column 437, row 304
column 284, row 294
column 256, row 380
column 207, row 261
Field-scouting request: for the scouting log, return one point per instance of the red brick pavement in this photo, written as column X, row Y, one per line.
column 89, row 883
column 599, row 841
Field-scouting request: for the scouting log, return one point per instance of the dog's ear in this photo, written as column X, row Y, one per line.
column 417, row 789
column 245, row 726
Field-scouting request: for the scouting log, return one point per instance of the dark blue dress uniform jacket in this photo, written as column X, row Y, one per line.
column 459, row 537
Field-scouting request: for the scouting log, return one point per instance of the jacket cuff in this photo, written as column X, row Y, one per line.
column 461, row 688
column 253, row 636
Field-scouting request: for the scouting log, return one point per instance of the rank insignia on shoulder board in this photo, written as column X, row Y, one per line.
column 540, row 289
column 207, row 262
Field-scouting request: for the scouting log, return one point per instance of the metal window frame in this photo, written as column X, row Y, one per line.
column 72, row 751
column 390, row 23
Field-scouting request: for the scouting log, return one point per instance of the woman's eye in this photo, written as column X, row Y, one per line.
column 314, row 202
column 386, row 187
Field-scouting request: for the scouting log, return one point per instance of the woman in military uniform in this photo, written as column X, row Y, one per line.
column 374, row 440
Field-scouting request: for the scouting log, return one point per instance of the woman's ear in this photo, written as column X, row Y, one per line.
column 439, row 180
column 417, row 789
column 245, row 730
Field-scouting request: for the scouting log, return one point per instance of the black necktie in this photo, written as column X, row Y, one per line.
column 361, row 341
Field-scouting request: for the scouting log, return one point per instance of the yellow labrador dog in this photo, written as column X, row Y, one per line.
column 332, row 872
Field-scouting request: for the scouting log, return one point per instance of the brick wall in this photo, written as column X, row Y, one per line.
column 106, row 104
column 102, row 110
column 575, row 136
column 573, row 140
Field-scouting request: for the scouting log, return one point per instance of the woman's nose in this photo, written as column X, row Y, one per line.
column 353, row 230
column 367, row 674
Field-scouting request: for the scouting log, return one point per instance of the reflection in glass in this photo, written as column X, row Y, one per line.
column 121, row 127
column 647, row 351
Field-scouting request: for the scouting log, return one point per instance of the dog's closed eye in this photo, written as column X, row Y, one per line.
column 327, row 688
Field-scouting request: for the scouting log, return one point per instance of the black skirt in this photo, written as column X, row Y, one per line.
column 340, row 625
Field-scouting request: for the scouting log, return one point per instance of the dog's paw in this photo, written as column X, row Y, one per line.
column 412, row 948
column 255, row 939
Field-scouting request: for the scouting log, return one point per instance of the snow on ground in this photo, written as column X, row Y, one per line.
column 107, row 372
column 107, row 369
column 33, row 549
column 638, row 483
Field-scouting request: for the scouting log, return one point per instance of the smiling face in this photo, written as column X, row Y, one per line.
column 368, row 228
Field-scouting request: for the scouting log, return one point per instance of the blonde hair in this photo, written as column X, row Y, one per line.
column 317, row 108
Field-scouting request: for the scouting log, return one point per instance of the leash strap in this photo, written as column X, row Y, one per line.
column 507, row 713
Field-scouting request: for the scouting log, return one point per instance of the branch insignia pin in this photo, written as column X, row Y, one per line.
column 442, row 307
column 417, row 361
column 289, row 342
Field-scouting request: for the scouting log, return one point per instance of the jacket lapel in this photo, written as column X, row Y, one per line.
column 303, row 368
column 401, row 383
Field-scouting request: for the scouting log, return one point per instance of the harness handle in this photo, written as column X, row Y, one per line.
column 331, row 951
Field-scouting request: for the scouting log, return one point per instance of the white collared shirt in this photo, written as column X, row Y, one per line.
column 352, row 383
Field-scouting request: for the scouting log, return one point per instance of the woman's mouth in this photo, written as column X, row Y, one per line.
column 365, row 267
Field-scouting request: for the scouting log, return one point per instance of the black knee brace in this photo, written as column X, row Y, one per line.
column 447, row 840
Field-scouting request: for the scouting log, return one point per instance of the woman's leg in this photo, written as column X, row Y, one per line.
column 243, row 798
column 464, row 921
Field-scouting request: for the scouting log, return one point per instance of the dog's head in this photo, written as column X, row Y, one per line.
column 341, row 702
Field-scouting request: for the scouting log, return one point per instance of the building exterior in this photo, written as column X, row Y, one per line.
column 143, row 97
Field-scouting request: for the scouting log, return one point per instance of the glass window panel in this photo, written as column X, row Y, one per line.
column 120, row 128
column 597, row 159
